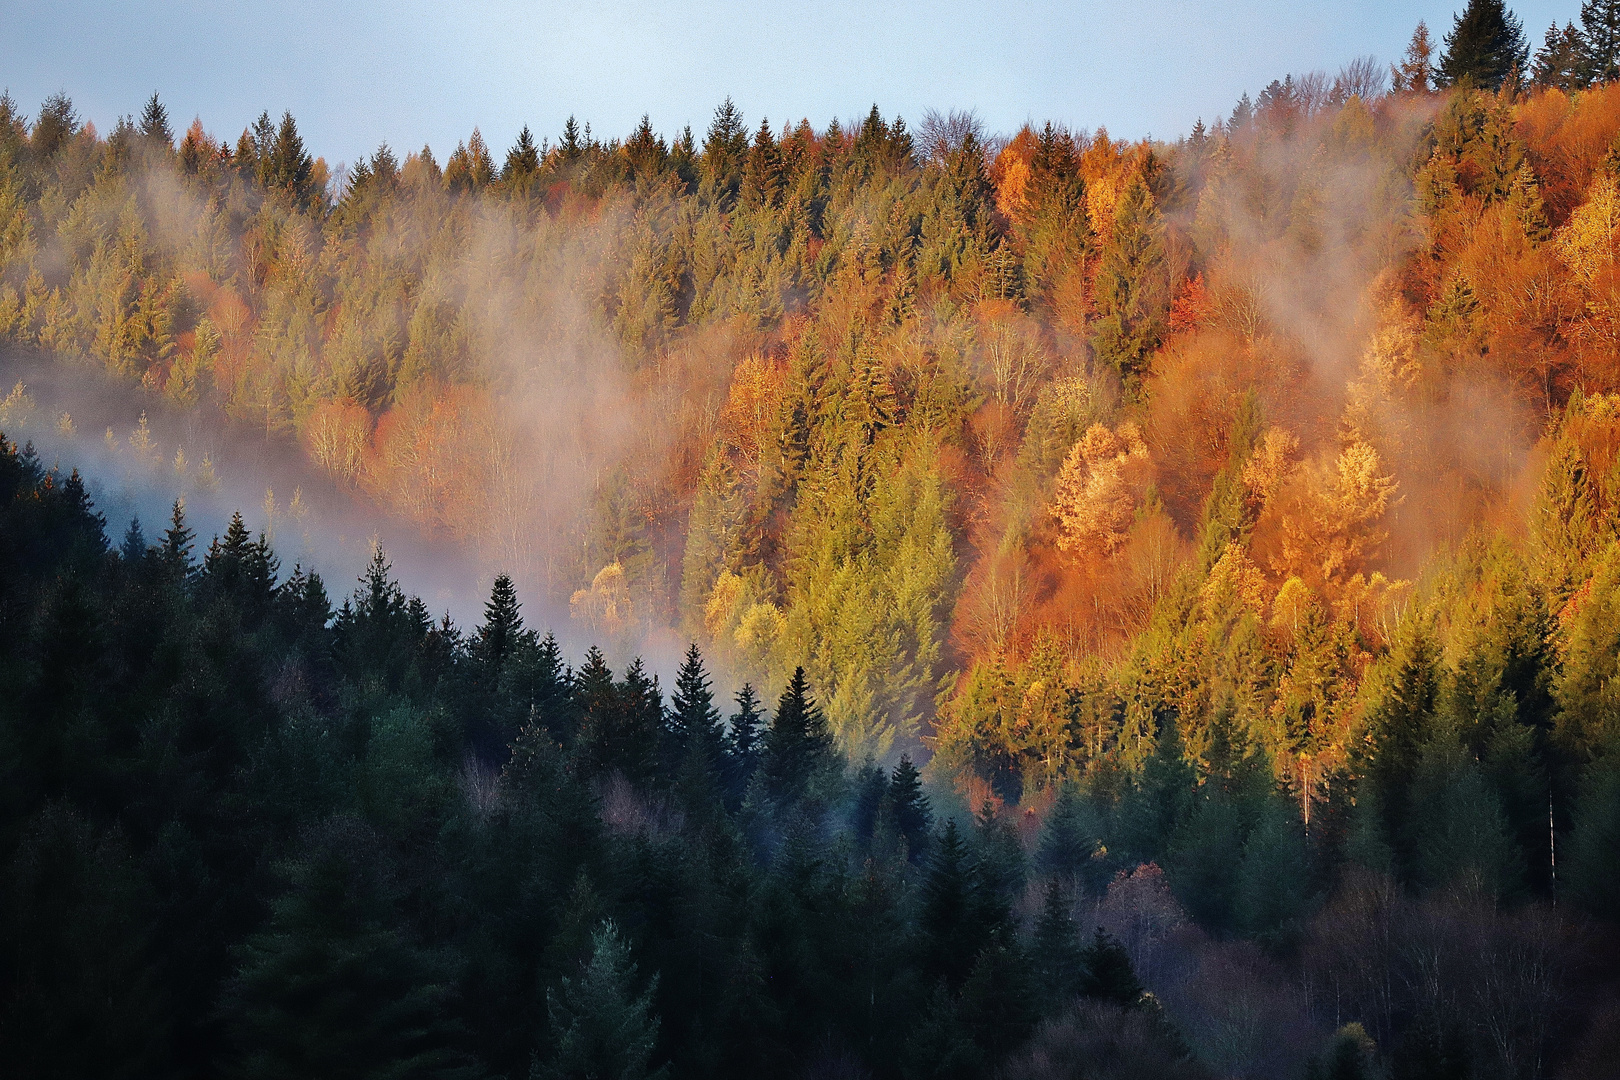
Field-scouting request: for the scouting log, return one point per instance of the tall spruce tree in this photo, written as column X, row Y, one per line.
column 1055, row 947
column 908, row 807
column 503, row 626
column 744, row 745
column 1485, row 45
column 154, row 125
column 1600, row 34
column 601, row 1027
column 695, row 729
column 1132, row 290
column 950, row 927
column 798, row 745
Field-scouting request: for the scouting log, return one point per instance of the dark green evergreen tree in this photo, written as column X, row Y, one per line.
column 951, row 927
column 1485, row 45
column 601, row 1027
column 522, row 163
column 907, row 806
column 798, row 747
column 334, row 984
column 1109, row 975
column 174, row 554
column 57, row 123
column 154, row 125
column 1600, row 38
column 501, row 634
column 1590, row 862
column 744, row 746
column 1055, row 948
column 1132, row 290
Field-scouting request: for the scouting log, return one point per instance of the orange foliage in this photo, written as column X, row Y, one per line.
column 1193, row 307
column 750, row 410
column 1010, row 175
column 1567, row 139
column 426, row 457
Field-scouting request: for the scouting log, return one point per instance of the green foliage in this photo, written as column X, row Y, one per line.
column 1108, row 973
column 335, row 982
column 1484, row 45
column 797, row 754
column 1592, row 863
column 602, row 1029
column 1132, row 287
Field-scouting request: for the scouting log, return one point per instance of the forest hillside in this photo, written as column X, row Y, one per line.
column 1170, row 593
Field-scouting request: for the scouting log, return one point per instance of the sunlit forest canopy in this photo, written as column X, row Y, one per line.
column 1143, row 606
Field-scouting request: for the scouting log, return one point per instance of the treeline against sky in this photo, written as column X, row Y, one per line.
column 1226, row 526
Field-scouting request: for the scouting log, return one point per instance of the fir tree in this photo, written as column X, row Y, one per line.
column 950, row 927
column 601, row 1028
column 333, row 985
column 522, row 162
column 696, row 732
column 1132, row 293
column 1600, row 26
column 1068, row 839
column 744, row 745
column 908, row 807
column 133, row 548
column 1108, row 973
column 1055, row 948
column 797, row 746
column 154, row 125
column 1485, row 45
column 502, row 630
column 1560, row 62
column 175, row 552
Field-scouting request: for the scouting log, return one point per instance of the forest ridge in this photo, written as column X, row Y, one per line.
column 1227, row 528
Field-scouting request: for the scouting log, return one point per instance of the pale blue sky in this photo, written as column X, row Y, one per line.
column 409, row 72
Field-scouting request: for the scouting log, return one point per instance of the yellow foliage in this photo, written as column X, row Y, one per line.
column 605, row 606
column 1099, row 488
column 1587, row 245
column 1234, row 580
column 1327, row 519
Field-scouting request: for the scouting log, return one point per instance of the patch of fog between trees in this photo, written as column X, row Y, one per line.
column 137, row 454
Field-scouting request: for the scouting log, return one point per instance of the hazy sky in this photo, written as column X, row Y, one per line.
column 356, row 74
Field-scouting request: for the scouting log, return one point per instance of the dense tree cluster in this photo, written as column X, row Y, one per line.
column 1187, row 566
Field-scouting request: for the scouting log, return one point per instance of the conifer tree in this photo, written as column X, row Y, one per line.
column 725, row 151
column 601, row 1027
column 1485, row 45
column 501, row 632
column 695, row 728
column 333, row 985
column 1591, row 863
column 797, row 747
column 950, row 927
column 522, row 163
column 1055, row 947
column 133, row 548
column 1416, row 69
column 1068, row 839
column 1108, row 972
column 1600, row 38
column 57, row 123
column 744, row 745
column 286, row 166
column 1132, row 293
column 154, row 125
column 908, row 807
column 1560, row 62
column 175, row 552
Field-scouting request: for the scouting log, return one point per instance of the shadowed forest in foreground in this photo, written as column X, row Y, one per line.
column 1156, row 605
